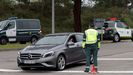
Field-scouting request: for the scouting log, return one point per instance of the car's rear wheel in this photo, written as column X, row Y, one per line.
column 61, row 62
column 25, row 68
column 116, row 38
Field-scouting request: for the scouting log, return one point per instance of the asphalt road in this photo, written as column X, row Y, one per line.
column 114, row 59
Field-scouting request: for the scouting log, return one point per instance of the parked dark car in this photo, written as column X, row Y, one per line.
column 54, row 51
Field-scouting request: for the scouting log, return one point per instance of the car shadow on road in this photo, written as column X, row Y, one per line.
column 75, row 65
column 50, row 70
column 40, row 70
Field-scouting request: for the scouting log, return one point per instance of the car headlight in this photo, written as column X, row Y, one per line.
column 48, row 54
column 18, row 54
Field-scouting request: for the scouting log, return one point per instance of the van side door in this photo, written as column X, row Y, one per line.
column 11, row 31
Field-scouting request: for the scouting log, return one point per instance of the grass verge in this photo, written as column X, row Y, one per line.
column 13, row 46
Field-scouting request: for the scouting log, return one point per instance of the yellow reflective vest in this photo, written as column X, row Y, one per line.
column 91, row 37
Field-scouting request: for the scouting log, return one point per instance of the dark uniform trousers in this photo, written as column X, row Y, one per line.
column 91, row 49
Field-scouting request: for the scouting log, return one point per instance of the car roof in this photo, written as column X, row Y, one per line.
column 65, row 33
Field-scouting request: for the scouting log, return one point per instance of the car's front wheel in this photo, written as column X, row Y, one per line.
column 116, row 38
column 61, row 62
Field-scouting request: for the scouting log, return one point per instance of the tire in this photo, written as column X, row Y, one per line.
column 60, row 63
column 132, row 39
column 25, row 68
column 33, row 39
column 116, row 38
column 3, row 41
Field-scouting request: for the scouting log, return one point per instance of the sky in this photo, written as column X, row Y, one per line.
column 88, row 3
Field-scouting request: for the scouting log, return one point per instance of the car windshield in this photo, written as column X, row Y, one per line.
column 2, row 24
column 99, row 24
column 111, row 24
column 52, row 40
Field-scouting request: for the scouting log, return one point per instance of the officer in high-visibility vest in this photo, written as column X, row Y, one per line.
column 91, row 43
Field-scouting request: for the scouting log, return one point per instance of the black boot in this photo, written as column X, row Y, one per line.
column 86, row 70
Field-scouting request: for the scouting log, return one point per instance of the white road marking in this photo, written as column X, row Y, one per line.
column 109, row 72
column 65, row 71
column 115, row 59
column 9, row 70
column 124, row 59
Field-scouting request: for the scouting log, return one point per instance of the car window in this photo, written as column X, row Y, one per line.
column 99, row 24
column 52, row 40
column 111, row 23
column 11, row 25
column 124, row 25
column 79, row 38
column 72, row 39
column 119, row 25
column 28, row 24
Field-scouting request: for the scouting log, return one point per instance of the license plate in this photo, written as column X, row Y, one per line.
column 29, row 61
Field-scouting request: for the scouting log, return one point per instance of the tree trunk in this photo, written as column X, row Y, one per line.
column 42, row 7
column 77, row 16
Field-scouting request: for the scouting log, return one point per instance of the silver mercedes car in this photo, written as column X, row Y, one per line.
column 53, row 51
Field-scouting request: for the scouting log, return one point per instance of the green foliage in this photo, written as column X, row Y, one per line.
column 13, row 46
column 64, row 13
column 41, row 10
column 110, row 3
column 25, row 1
column 107, row 9
column 128, row 20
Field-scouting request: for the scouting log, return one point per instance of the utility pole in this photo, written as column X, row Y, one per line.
column 53, row 17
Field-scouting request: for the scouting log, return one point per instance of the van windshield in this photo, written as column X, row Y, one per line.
column 3, row 24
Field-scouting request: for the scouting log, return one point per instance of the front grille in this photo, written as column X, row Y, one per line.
column 30, row 56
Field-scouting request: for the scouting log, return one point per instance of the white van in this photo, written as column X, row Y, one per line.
column 19, row 30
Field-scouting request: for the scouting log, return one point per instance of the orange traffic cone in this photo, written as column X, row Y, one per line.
column 93, row 70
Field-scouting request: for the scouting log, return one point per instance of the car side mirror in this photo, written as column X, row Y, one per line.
column 70, row 43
